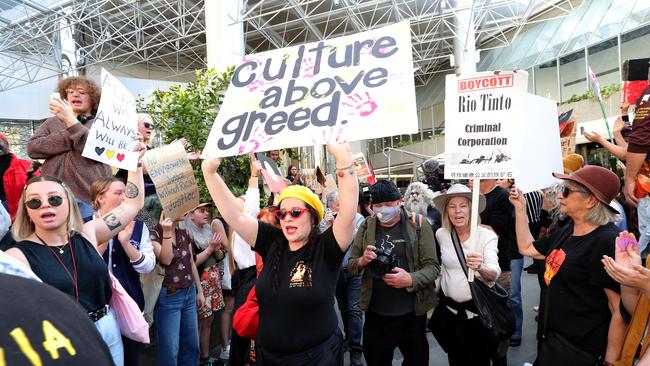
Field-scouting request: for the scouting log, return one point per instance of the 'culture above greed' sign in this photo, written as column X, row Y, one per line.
column 354, row 87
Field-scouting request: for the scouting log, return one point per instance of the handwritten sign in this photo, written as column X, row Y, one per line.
column 354, row 87
column 483, row 118
column 111, row 138
column 173, row 177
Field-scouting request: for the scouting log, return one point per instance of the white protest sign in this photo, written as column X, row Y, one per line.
column 484, row 113
column 540, row 150
column 355, row 87
column 173, row 177
column 111, row 138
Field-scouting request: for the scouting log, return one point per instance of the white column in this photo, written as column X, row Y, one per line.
column 224, row 35
column 465, row 40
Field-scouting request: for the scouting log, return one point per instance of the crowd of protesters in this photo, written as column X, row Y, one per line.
column 265, row 279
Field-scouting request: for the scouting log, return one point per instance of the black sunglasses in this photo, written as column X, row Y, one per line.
column 566, row 191
column 294, row 212
column 148, row 125
column 35, row 203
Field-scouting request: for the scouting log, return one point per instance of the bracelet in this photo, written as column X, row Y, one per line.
column 168, row 237
column 350, row 169
column 139, row 164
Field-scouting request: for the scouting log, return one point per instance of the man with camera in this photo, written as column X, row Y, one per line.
column 396, row 258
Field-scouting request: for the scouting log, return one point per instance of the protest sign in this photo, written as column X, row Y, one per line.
column 173, row 177
column 540, row 154
column 361, row 166
column 271, row 173
column 354, row 87
column 484, row 113
column 111, row 138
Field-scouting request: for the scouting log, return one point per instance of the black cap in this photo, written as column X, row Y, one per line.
column 384, row 191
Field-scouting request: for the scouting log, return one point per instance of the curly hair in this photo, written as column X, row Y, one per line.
column 307, row 256
column 93, row 90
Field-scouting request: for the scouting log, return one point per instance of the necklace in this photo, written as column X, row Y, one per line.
column 73, row 275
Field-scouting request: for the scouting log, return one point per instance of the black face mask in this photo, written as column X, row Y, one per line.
column 83, row 119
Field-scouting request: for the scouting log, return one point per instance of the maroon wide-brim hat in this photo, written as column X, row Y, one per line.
column 600, row 182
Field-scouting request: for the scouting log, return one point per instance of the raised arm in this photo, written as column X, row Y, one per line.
column 619, row 151
column 343, row 226
column 103, row 228
column 228, row 205
column 524, row 237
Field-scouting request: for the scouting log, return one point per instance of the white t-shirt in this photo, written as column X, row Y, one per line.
column 242, row 252
column 454, row 282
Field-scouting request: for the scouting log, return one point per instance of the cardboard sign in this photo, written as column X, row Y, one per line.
column 352, row 87
column 484, row 113
column 173, row 177
column 111, row 138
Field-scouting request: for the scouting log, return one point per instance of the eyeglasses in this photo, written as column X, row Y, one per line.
column 78, row 91
column 294, row 212
column 36, row 203
column 567, row 191
column 148, row 126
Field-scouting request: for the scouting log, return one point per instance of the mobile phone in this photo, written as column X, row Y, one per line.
column 55, row 96
column 582, row 130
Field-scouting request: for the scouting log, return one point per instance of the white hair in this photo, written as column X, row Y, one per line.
column 418, row 197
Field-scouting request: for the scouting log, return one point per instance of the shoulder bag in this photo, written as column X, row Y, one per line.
column 491, row 302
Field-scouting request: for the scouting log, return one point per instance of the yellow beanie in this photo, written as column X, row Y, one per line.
column 306, row 195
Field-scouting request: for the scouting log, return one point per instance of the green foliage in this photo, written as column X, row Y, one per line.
column 605, row 91
column 189, row 112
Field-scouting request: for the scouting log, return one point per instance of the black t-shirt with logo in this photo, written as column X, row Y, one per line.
column 576, row 279
column 387, row 300
column 299, row 314
column 39, row 321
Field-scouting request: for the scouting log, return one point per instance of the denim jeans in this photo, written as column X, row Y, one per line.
column 514, row 294
column 110, row 331
column 177, row 328
column 643, row 212
column 348, row 293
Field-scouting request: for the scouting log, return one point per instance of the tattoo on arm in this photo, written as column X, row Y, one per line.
column 112, row 221
column 131, row 190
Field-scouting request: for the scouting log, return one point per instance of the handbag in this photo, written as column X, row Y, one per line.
column 491, row 302
column 128, row 314
column 246, row 319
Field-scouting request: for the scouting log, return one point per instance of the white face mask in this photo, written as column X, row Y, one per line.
column 386, row 213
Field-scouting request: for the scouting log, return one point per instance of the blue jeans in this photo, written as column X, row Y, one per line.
column 514, row 295
column 643, row 212
column 177, row 327
column 110, row 332
column 348, row 293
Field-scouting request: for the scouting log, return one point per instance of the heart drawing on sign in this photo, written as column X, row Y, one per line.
column 110, row 153
column 99, row 150
column 120, row 157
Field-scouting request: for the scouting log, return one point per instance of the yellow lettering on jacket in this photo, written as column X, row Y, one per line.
column 55, row 340
column 25, row 347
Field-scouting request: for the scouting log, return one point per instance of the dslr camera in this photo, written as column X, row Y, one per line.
column 384, row 263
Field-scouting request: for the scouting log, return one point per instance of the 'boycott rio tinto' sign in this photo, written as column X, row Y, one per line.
column 487, row 82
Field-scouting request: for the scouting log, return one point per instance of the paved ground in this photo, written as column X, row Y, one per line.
column 516, row 356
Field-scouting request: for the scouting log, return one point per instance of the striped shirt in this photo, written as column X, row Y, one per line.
column 534, row 202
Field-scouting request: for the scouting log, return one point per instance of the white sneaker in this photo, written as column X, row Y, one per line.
column 225, row 353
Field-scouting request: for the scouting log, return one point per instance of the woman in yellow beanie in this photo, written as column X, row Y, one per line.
column 295, row 290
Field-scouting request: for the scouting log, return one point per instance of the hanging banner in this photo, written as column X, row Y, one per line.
column 484, row 114
column 111, row 138
column 173, row 177
column 355, row 87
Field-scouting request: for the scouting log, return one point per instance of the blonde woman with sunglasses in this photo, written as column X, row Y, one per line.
column 295, row 290
column 55, row 243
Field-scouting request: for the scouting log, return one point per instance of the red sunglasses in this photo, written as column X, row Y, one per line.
column 295, row 212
